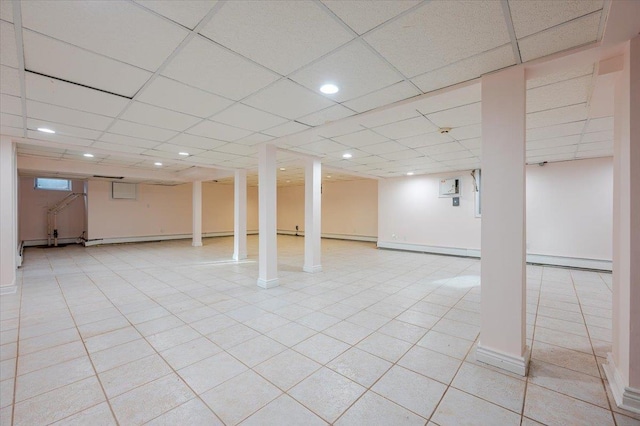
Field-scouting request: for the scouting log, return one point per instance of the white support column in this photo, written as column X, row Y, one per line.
column 268, row 243
column 312, row 215
column 197, row 214
column 240, row 215
column 8, row 215
column 623, row 363
column 503, row 310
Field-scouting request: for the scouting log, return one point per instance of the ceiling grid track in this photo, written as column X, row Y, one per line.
column 506, row 11
column 17, row 25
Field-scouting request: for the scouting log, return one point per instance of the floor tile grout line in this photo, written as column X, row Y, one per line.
column 533, row 340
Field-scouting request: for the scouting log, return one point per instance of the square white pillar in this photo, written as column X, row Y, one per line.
column 623, row 363
column 197, row 214
column 312, row 215
column 8, row 214
column 240, row 215
column 267, row 211
column 503, row 306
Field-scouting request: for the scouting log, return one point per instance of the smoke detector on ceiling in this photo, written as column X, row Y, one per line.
column 444, row 130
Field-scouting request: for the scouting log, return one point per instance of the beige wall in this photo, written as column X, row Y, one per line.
column 349, row 208
column 163, row 210
column 32, row 211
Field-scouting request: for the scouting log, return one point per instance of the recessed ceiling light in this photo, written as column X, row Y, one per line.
column 409, row 173
column 45, row 130
column 329, row 176
column 347, row 155
column 329, row 89
column 88, row 155
column 283, row 169
column 184, row 154
column 157, row 163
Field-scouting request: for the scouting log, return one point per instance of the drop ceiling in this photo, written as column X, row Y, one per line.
column 138, row 82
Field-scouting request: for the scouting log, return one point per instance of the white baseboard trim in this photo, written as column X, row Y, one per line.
column 332, row 236
column 8, row 289
column 239, row 257
column 571, row 262
column 149, row 238
column 626, row 398
column 268, row 283
column 514, row 364
column 32, row 243
column 312, row 269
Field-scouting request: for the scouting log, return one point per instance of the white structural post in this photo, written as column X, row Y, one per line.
column 240, row 215
column 312, row 215
column 268, row 243
column 623, row 363
column 503, row 310
column 8, row 214
column 197, row 214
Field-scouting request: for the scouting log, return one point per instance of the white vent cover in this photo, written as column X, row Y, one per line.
column 450, row 187
column 124, row 191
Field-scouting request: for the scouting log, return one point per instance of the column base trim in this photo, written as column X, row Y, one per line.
column 312, row 269
column 8, row 289
column 514, row 364
column 626, row 398
column 239, row 256
column 197, row 244
column 268, row 283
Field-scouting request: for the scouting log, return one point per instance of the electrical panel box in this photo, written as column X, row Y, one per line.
column 123, row 191
column 450, row 187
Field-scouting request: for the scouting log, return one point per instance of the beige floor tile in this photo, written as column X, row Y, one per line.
column 111, row 339
column 128, row 376
column 445, row 344
column 321, row 348
column 317, row 321
column 457, row 329
column 266, row 322
column 50, row 378
column 190, row 352
column 327, row 394
column 287, row 369
column 413, row 391
column 174, row 337
column 6, row 392
column 386, row 347
column 50, row 340
column 8, row 351
column 193, row 413
column 549, row 407
column 232, row 336
column 622, row 420
column 348, row 332
column 432, row 364
column 494, row 387
column 374, row 410
column 159, row 325
column 567, row 358
column 403, row 331
column 122, row 354
column 150, row 400
column 238, row 398
column 420, row 319
column 368, row 319
column 360, row 366
column 210, row 372
column 457, row 408
column 98, row 415
column 48, row 357
column 291, row 334
column 284, row 410
column 257, row 350
column 103, row 326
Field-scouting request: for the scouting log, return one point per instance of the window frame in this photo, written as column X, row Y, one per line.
column 36, row 185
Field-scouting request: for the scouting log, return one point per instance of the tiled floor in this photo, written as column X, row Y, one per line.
column 169, row 334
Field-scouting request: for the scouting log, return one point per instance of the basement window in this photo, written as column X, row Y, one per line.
column 53, row 184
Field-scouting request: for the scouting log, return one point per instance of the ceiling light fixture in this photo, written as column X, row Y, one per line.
column 88, row 155
column 329, row 176
column 45, row 130
column 409, row 173
column 347, row 155
column 329, row 89
column 184, row 154
column 282, row 169
column 157, row 163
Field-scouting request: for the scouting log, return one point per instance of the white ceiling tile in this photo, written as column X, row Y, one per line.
column 595, row 153
column 466, row 132
column 63, row 139
column 282, row 36
column 196, row 141
column 466, row 69
column 8, row 51
column 11, row 131
column 179, row 97
column 568, row 92
column 559, row 130
column 69, row 95
column 555, row 116
column 205, row 65
column 550, row 158
column 246, row 117
column 254, row 139
column 288, row 99
column 187, row 13
column 6, row 10
column 63, row 129
column 433, row 138
column 363, row 15
column 603, row 145
column 406, row 128
column 417, row 159
column 158, row 117
column 58, row 114
column 113, row 138
column 553, row 142
column 175, row 149
column 324, row 146
column 599, row 124
column 454, row 155
column 54, row 58
column 10, row 104
column 118, row 29
column 215, row 155
column 450, row 99
column 405, row 154
column 383, row 148
column 10, row 81
column 572, row 34
column 387, row 115
column 388, row 95
column 338, row 128
column 326, row 115
column 606, row 135
column 116, row 147
column 361, row 138
column 562, row 149
column 441, row 149
column 560, row 76
column 532, row 16
column 161, row 154
column 210, row 129
column 457, row 117
column 472, row 143
column 354, row 68
column 238, row 149
column 440, row 33
column 286, row 129
column 10, row 120
column 142, row 131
